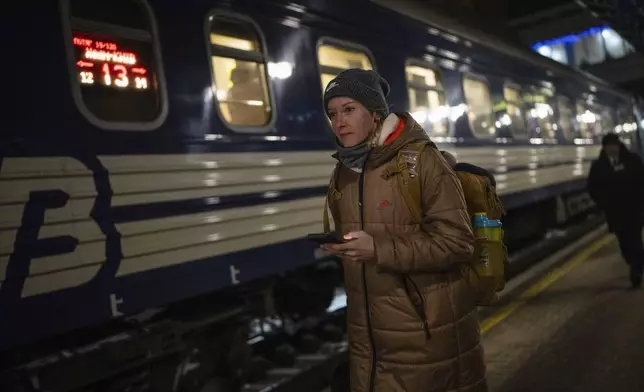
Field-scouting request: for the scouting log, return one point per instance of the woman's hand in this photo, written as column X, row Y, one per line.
column 359, row 247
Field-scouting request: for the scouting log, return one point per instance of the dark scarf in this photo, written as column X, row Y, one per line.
column 354, row 157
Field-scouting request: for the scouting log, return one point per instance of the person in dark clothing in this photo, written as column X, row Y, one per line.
column 616, row 185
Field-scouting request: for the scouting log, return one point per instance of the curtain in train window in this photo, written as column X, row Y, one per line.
column 514, row 109
column 479, row 103
column 118, row 77
column 239, row 72
column 334, row 59
column 427, row 99
column 566, row 117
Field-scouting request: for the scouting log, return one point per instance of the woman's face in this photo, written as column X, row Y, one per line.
column 352, row 123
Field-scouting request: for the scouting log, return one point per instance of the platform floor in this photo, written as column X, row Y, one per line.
column 579, row 328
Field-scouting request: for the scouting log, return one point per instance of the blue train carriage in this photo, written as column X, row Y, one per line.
column 176, row 152
column 533, row 122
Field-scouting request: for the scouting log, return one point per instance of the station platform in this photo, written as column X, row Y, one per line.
column 577, row 326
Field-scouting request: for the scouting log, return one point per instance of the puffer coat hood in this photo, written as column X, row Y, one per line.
column 411, row 319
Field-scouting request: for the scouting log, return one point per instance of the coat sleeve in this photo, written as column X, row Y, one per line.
column 446, row 239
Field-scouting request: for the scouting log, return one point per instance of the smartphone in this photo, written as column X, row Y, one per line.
column 326, row 238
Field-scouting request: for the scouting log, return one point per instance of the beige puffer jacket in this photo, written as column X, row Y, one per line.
column 412, row 323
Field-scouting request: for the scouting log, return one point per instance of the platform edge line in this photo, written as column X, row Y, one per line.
column 543, row 283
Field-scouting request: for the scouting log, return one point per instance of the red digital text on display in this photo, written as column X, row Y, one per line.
column 90, row 43
column 114, row 67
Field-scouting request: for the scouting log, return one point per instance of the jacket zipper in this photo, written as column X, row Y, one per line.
column 372, row 376
column 420, row 310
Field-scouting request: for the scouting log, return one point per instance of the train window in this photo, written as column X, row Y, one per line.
column 584, row 119
column 514, row 102
column 239, row 72
column 116, row 73
column 541, row 112
column 566, row 117
column 480, row 112
column 335, row 58
column 427, row 102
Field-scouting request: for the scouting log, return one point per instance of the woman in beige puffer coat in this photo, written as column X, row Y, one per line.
column 412, row 322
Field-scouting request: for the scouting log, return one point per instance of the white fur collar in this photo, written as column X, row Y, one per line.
column 388, row 127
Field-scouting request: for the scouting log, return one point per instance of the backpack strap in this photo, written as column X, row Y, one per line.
column 332, row 189
column 407, row 162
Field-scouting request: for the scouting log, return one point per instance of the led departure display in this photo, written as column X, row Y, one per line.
column 117, row 76
column 105, row 63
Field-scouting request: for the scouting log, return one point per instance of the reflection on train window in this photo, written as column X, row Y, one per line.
column 334, row 59
column 239, row 72
column 426, row 98
column 584, row 119
column 480, row 112
column 514, row 102
column 566, row 117
column 540, row 115
column 607, row 122
column 118, row 83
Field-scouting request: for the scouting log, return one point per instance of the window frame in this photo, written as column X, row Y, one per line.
column 415, row 62
column 251, row 129
column 68, row 22
column 509, row 84
column 484, row 80
column 340, row 44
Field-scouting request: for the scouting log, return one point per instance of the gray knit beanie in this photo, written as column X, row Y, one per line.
column 366, row 87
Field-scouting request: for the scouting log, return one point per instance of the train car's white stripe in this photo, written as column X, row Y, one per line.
column 11, row 214
column 534, row 179
column 204, row 250
column 269, row 191
column 156, row 178
column 129, row 189
column 158, row 235
column 73, row 213
column 41, row 284
column 43, row 167
column 209, row 241
column 155, row 243
column 210, row 161
column 274, row 211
